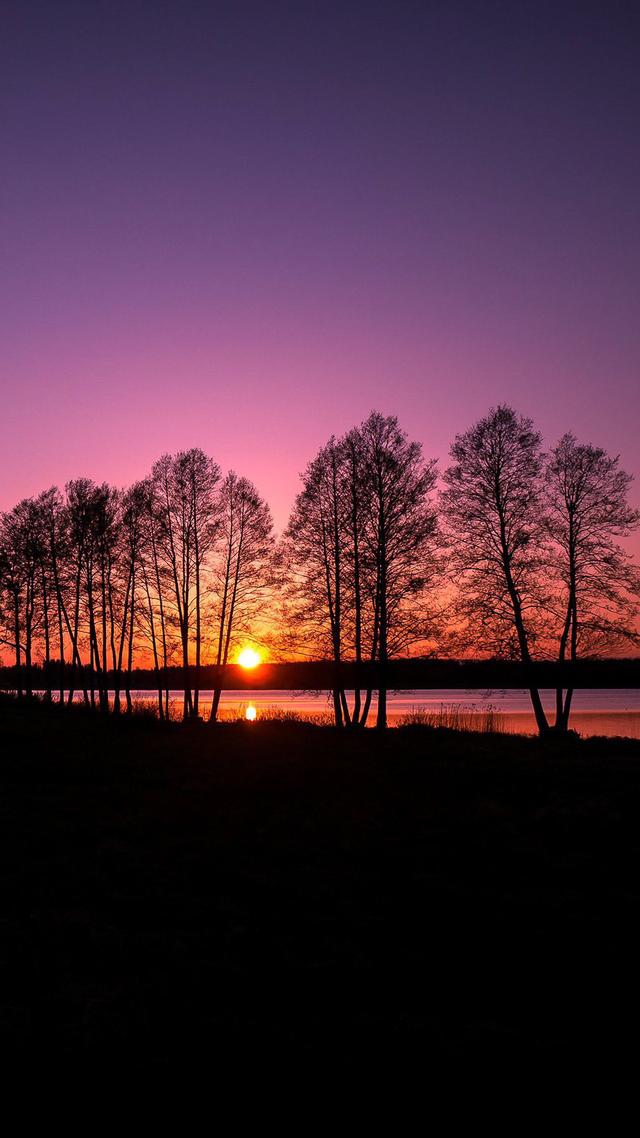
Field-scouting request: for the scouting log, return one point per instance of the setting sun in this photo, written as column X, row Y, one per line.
column 250, row 713
column 249, row 658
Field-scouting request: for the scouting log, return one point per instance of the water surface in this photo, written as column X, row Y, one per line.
column 599, row 711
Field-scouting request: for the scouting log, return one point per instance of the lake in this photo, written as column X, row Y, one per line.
column 595, row 711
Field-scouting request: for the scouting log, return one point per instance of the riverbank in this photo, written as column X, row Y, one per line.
column 270, row 893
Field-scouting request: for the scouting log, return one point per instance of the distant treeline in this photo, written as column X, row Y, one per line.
column 516, row 555
column 324, row 675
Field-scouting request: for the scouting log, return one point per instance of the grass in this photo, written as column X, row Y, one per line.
column 280, row 894
column 274, row 714
column 456, row 717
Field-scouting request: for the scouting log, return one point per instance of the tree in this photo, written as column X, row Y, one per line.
column 12, row 590
column 401, row 539
column 20, row 561
column 44, row 590
column 185, row 506
column 133, row 516
column 102, row 556
column 80, row 498
column 52, row 522
column 355, row 500
column 242, row 569
column 493, row 506
column 361, row 552
column 152, row 619
column 313, row 559
column 587, row 512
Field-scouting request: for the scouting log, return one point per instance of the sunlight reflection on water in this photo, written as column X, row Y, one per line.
column 595, row 711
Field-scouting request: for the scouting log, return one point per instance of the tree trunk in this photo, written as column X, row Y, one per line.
column 47, row 639
column 381, row 718
column 215, row 703
column 374, row 650
column 357, row 597
column 16, row 633
column 154, row 643
column 337, row 708
column 104, row 693
column 187, row 704
column 163, row 627
column 130, row 645
column 117, row 679
column 366, row 707
column 542, row 722
column 196, row 693
column 93, row 640
column 61, row 647
column 563, row 700
column 77, row 661
column 28, row 637
column 62, row 612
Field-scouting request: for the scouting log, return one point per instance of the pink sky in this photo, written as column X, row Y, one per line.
column 244, row 233
column 108, row 409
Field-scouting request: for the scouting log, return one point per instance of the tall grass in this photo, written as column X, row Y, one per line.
column 456, row 717
column 275, row 714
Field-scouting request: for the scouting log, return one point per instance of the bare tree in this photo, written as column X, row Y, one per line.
column 12, row 591
column 179, row 565
column 203, row 477
column 360, row 551
column 184, row 505
column 133, row 516
column 312, row 554
column 151, row 619
column 102, row 552
column 242, row 572
column 356, row 503
column 155, row 585
column 401, row 535
column 79, row 520
column 43, row 588
column 493, row 508
column 588, row 511
column 50, row 524
column 21, row 555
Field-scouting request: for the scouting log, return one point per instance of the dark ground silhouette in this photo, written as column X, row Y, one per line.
column 276, row 893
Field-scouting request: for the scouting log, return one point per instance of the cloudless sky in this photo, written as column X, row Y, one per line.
column 243, row 225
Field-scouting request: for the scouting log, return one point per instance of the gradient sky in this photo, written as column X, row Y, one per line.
column 243, row 225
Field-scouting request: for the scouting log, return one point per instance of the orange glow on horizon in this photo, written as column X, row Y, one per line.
column 249, row 658
column 250, row 713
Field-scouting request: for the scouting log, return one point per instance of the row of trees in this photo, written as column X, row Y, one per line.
column 517, row 556
column 172, row 568
column 361, row 554
column 534, row 545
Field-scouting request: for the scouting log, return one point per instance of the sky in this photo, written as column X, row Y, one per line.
column 242, row 226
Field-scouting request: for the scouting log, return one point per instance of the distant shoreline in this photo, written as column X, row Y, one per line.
column 320, row 675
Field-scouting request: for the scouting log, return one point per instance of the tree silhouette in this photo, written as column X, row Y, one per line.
column 241, row 568
column 493, row 506
column 360, row 550
column 184, row 504
column 400, row 535
column 588, row 510
column 180, row 567
column 313, row 562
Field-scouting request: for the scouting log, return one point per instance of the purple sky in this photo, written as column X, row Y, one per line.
column 242, row 226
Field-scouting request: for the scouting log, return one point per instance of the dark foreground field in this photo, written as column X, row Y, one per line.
column 264, row 895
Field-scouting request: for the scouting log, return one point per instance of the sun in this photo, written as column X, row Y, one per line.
column 249, row 658
column 250, row 713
